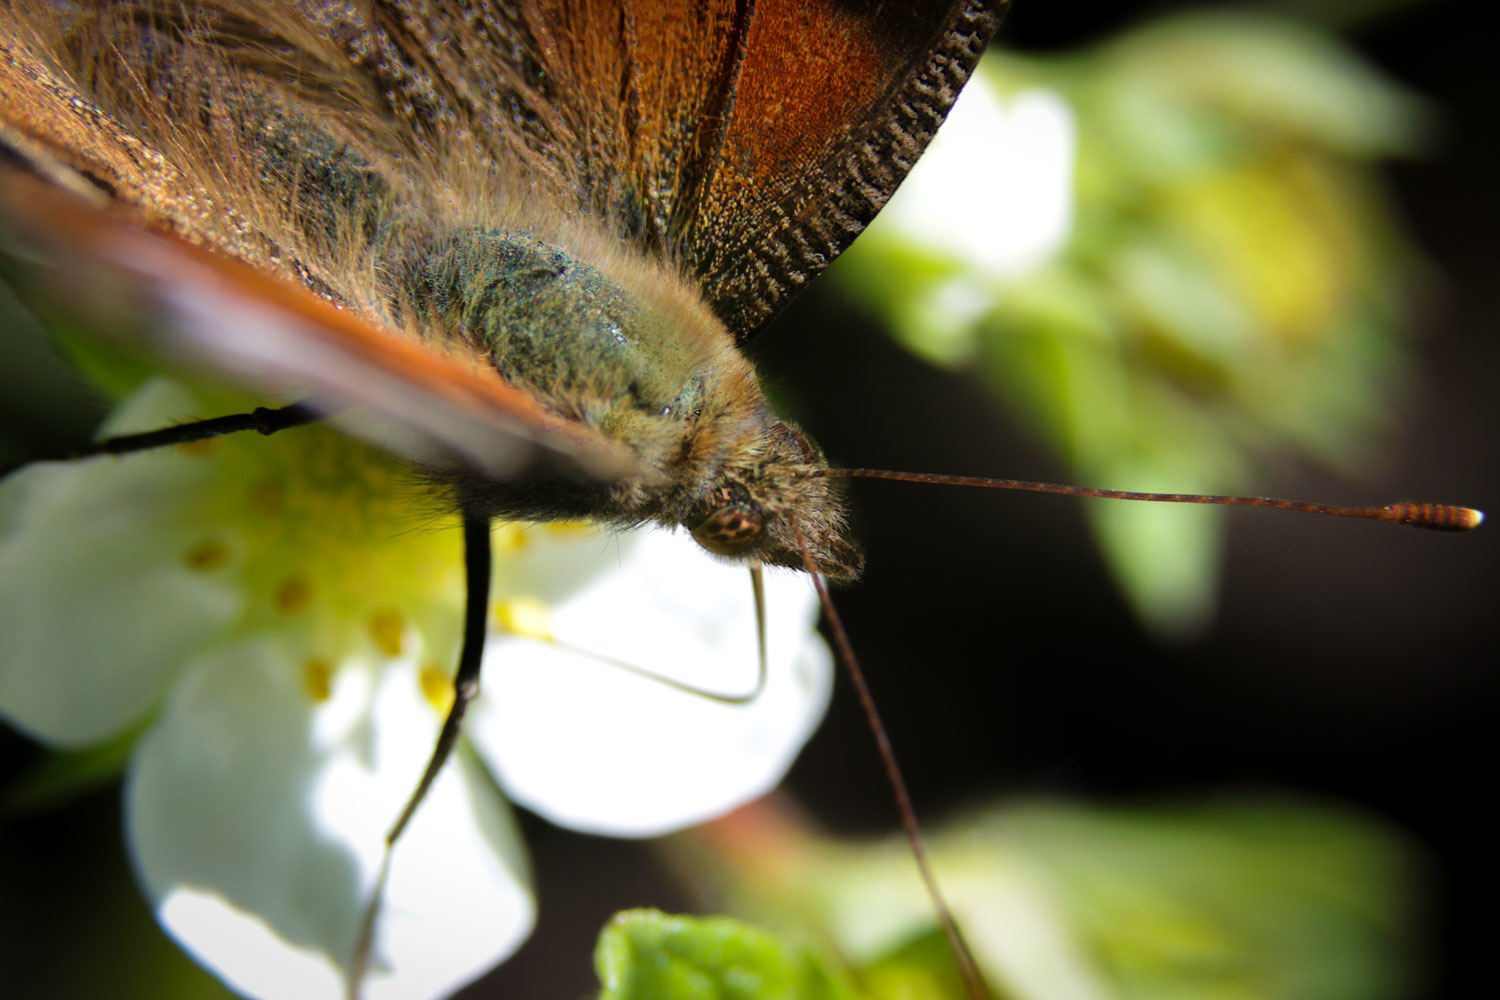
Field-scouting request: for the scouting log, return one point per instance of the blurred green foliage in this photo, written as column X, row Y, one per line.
column 648, row 955
column 1227, row 284
column 1211, row 900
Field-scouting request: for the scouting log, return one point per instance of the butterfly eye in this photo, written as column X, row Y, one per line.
column 730, row 531
column 800, row 442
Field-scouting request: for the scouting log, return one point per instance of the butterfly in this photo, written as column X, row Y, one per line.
column 459, row 422
column 519, row 245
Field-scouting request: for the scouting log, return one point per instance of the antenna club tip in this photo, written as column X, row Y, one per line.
column 1441, row 517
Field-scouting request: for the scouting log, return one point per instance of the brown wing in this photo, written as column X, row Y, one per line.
column 834, row 103
column 753, row 140
column 208, row 312
column 112, row 231
column 750, row 140
column 51, row 129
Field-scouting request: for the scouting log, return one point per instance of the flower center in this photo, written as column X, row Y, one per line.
column 333, row 544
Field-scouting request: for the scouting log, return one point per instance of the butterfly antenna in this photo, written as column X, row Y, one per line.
column 477, row 563
column 1437, row 516
column 968, row 969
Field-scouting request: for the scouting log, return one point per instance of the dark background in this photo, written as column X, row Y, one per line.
column 1350, row 662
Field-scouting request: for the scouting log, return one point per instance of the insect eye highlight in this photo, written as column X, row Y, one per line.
column 731, row 530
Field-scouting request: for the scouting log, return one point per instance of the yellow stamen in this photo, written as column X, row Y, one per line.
column 437, row 688
column 317, row 679
column 569, row 529
column 508, row 536
column 294, row 594
column 524, row 616
column 207, row 555
column 388, row 628
column 267, row 497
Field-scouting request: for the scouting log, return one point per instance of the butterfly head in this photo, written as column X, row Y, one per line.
column 772, row 503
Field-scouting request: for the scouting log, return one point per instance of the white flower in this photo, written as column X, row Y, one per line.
column 1018, row 150
column 282, row 615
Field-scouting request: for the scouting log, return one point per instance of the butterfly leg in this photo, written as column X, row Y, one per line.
column 477, row 558
column 477, row 563
column 261, row 420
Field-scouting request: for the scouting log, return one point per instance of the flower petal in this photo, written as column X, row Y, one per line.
column 257, row 819
column 597, row 748
column 98, row 604
column 1028, row 214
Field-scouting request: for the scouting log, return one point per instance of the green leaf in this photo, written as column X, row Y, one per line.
column 1256, row 898
column 650, row 955
column 1274, row 72
column 1261, row 900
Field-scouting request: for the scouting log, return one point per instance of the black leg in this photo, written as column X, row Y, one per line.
column 477, row 560
column 466, row 680
column 261, row 420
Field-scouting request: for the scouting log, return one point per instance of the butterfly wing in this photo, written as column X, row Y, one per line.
column 800, row 171
column 108, row 227
column 748, row 140
column 207, row 312
column 745, row 142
